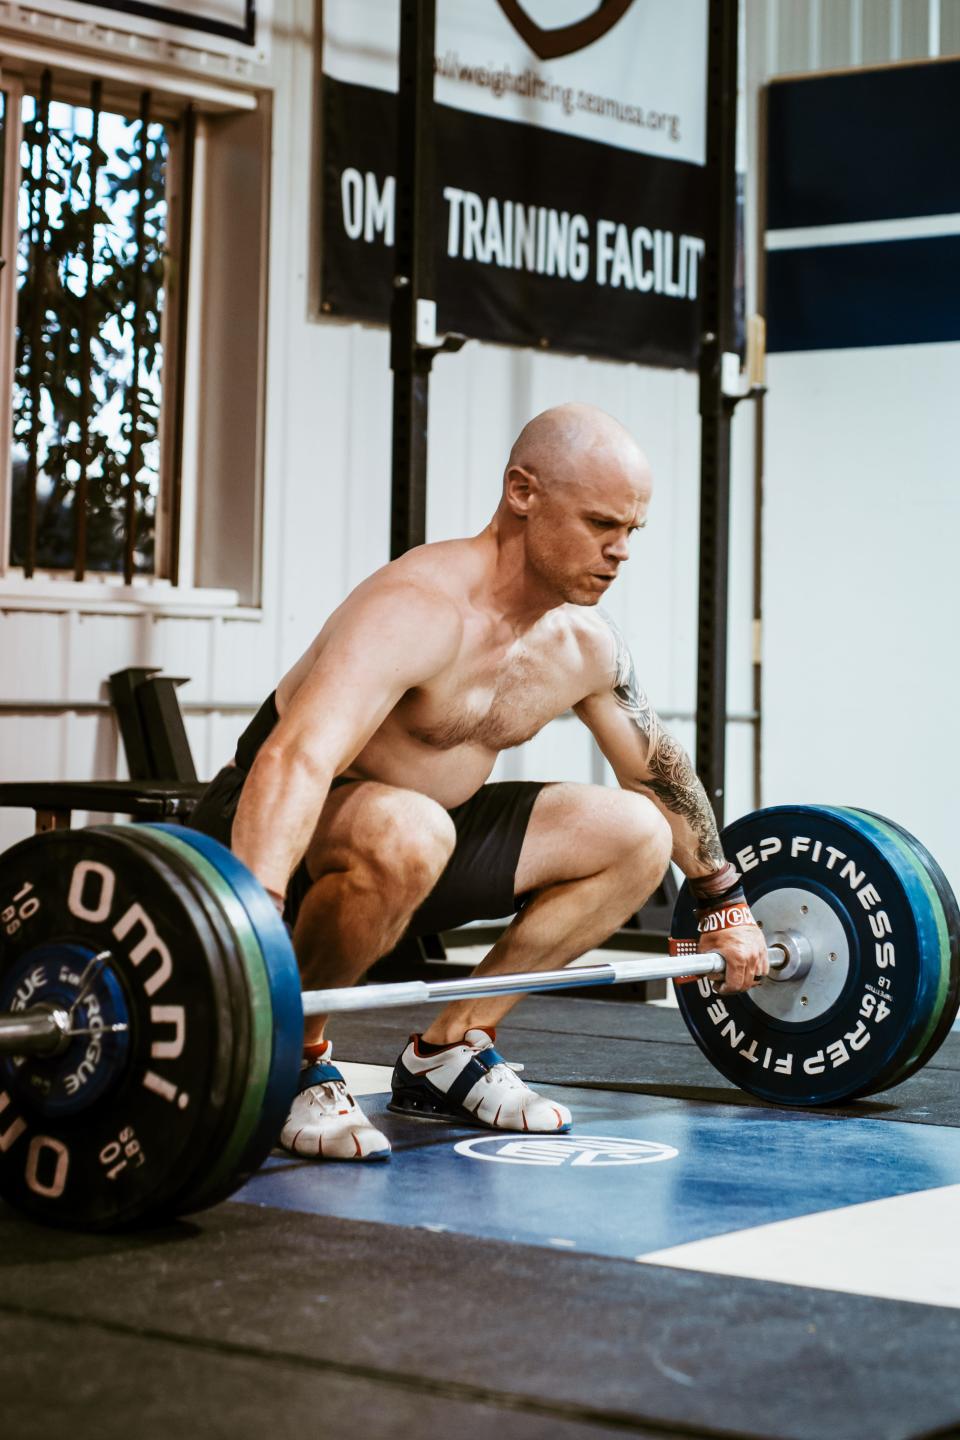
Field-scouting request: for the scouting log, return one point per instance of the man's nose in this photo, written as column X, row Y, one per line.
column 618, row 549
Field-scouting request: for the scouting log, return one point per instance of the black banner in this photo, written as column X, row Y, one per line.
column 541, row 239
column 192, row 16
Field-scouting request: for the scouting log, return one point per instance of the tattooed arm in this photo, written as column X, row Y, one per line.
column 647, row 758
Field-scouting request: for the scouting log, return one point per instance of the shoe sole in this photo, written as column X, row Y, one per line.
column 331, row 1159
column 416, row 1108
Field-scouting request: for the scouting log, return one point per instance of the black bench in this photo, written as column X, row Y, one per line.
column 163, row 782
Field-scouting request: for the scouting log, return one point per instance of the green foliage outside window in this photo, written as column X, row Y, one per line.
column 56, row 270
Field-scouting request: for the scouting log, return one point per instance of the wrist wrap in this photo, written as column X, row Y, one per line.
column 725, row 917
column 723, row 885
column 721, row 902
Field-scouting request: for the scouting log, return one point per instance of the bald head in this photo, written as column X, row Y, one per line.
column 576, row 487
column 566, row 444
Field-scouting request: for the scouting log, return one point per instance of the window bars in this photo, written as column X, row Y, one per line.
column 88, row 381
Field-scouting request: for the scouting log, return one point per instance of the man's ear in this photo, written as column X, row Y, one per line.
column 519, row 488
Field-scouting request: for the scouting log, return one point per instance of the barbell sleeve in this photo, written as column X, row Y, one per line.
column 432, row 992
column 41, row 1030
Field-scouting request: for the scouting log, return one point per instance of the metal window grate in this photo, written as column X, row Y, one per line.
column 88, row 384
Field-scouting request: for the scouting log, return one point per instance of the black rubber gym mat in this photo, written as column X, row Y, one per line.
column 248, row 1321
column 645, row 1049
column 111, row 1383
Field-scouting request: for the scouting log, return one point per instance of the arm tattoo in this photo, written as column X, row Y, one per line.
column 672, row 778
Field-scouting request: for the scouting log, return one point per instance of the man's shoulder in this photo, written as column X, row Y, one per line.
column 597, row 639
column 408, row 600
column 425, row 568
column 592, row 626
column 440, row 569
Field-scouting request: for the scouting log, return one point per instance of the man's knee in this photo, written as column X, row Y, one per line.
column 405, row 842
column 647, row 840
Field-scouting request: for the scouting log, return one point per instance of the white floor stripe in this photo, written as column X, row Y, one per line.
column 904, row 1248
column 919, row 227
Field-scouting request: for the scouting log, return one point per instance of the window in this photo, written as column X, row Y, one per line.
column 89, row 370
column 132, row 331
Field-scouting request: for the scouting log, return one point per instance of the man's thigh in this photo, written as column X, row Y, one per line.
column 578, row 830
column 367, row 820
column 513, row 838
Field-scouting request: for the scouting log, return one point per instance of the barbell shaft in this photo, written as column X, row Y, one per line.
column 45, row 1029
column 432, row 992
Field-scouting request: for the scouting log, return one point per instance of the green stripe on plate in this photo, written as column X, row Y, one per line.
column 224, row 1175
column 928, row 1026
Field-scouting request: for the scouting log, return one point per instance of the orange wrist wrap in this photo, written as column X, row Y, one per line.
column 726, row 917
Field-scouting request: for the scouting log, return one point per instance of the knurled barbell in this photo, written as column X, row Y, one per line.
column 151, row 1017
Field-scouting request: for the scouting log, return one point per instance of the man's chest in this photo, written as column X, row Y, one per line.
column 496, row 699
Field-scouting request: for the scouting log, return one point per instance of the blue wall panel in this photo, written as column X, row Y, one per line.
column 852, row 150
column 833, row 297
column 866, row 145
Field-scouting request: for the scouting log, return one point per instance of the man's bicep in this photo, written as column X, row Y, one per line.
column 625, row 743
column 618, row 712
column 646, row 757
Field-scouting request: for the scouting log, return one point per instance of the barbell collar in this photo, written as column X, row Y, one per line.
column 475, row 987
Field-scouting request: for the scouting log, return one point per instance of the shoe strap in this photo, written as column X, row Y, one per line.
column 490, row 1057
column 321, row 1072
column 476, row 1068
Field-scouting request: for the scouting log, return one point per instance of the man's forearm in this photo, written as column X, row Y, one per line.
column 277, row 815
column 683, row 800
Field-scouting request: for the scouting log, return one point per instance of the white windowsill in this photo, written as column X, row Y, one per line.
column 108, row 595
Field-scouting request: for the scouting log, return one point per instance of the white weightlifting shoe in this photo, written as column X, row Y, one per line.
column 469, row 1082
column 325, row 1122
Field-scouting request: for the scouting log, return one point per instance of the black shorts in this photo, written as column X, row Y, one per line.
column 478, row 882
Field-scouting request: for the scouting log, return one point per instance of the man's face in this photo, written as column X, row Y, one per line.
column 578, row 534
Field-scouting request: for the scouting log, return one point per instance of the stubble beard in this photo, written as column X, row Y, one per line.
column 570, row 589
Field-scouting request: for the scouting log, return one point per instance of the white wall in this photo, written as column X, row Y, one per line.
column 861, row 517
column 861, row 595
column 325, row 520
column 326, row 510
column 326, row 507
column 327, row 523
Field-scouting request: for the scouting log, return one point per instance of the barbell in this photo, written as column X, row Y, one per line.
column 151, row 1017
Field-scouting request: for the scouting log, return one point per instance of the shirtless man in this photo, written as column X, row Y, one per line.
column 358, row 794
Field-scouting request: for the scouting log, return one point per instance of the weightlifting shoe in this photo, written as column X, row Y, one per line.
column 325, row 1122
column 470, row 1082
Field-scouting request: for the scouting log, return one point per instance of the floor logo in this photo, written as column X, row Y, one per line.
column 565, row 1150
